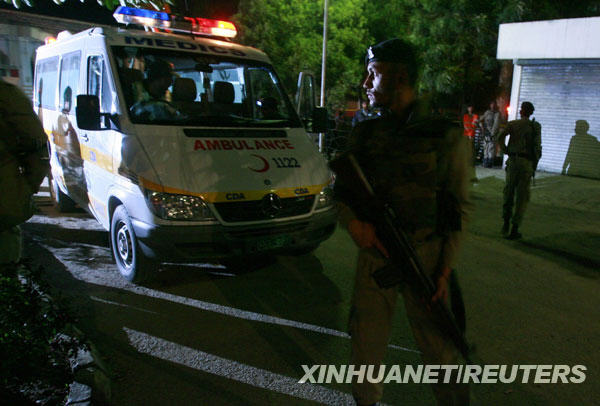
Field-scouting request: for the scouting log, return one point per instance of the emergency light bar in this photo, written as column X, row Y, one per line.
column 147, row 18
column 159, row 19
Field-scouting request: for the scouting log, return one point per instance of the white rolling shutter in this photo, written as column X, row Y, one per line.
column 566, row 96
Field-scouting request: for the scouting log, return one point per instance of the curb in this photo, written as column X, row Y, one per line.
column 92, row 382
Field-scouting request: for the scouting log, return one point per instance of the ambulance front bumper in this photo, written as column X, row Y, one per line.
column 183, row 243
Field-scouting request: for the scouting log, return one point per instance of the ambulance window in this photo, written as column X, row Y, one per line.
column 234, row 75
column 266, row 91
column 307, row 102
column 46, row 81
column 98, row 83
column 69, row 82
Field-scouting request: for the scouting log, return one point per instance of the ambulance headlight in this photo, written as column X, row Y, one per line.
column 325, row 198
column 179, row 207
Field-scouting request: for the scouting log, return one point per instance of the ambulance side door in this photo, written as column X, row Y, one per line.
column 314, row 118
column 66, row 133
column 97, row 145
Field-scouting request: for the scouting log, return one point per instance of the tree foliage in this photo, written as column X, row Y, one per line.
column 292, row 34
column 457, row 39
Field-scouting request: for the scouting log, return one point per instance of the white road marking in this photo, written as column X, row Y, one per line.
column 110, row 302
column 212, row 364
column 96, row 276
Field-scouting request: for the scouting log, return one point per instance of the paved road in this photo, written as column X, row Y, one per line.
column 205, row 334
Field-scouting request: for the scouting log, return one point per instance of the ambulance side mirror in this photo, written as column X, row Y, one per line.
column 87, row 112
column 320, row 123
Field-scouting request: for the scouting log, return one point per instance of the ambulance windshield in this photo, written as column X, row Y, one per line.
column 183, row 88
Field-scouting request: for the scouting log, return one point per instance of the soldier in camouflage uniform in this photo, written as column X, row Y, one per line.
column 420, row 165
column 524, row 150
column 22, row 139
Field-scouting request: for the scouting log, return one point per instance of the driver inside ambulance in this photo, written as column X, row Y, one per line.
column 153, row 105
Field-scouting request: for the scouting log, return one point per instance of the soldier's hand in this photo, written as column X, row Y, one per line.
column 364, row 236
column 441, row 292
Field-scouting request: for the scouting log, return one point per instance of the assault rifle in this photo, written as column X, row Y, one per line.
column 404, row 265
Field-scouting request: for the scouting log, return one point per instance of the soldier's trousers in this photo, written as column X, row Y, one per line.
column 10, row 245
column 516, row 189
column 370, row 327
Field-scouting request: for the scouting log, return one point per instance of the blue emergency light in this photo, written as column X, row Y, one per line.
column 162, row 20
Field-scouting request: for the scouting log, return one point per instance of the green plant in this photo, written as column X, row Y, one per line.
column 34, row 351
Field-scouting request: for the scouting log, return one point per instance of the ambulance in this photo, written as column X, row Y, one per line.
column 181, row 143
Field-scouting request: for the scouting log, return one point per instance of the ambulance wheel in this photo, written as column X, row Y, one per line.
column 133, row 265
column 60, row 200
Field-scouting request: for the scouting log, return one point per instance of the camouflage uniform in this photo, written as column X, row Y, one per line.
column 524, row 150
column 21, row 135
column 420, row 166
column 490, row 122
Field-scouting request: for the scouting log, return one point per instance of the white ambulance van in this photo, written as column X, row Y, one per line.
column 184, row 146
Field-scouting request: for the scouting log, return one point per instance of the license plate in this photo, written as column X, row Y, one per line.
column 272, row 242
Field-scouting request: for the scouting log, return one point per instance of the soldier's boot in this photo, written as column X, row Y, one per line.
column 514, row 233
column 505, row 228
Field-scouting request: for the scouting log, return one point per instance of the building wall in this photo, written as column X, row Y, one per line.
column 17, row 50
column 20, row 35
column 550, row 39
column 557, row 68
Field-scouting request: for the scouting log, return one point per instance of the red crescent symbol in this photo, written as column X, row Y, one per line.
column 265, row 163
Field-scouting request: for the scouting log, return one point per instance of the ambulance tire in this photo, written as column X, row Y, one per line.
column 133, row 265
column 62, row 202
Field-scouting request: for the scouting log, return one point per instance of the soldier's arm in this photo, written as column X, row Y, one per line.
column 18, row 114
column 502, row 137
column 27, row 139
column 457, row 189
column 362, row 232
column 537, row 141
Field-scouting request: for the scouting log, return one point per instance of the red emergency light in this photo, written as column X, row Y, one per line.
column 207, row 26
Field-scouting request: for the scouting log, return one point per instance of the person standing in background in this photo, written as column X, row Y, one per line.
column 490, row 122
column 470, row 126
column 524, row 150
column 362, row 114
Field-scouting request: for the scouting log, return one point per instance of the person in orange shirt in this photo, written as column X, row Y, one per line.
column 470, row 123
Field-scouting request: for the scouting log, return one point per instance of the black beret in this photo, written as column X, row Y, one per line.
column 391, row 50
column 527, row 107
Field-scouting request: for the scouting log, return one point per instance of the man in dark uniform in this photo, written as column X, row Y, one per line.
column 362, row 114
column 420, row 165
column 153, row 106
column 22, row 167
column 524, row 150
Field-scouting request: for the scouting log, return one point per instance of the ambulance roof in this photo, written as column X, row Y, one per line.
column 157, row 40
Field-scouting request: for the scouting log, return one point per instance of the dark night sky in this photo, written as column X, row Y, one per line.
column 92, row 12
column 72, row 9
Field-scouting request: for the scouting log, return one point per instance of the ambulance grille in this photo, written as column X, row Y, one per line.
column 253, row 210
